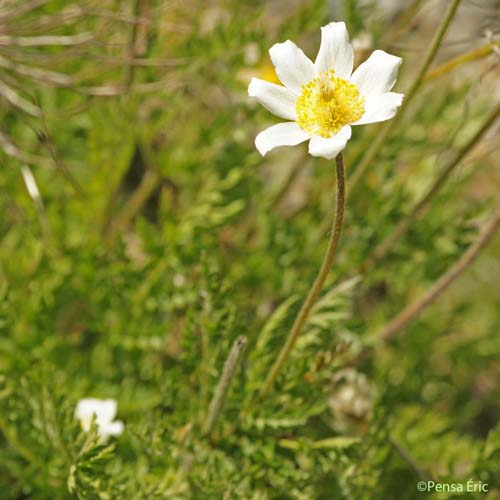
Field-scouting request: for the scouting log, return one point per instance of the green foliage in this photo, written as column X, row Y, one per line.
column 160, row 236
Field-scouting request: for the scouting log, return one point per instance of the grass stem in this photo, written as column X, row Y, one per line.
column 374, row 148
column 228, row 372
column 410, row 313
column 458, row 61
column 405, row 455
column 388, row 243
column 382, row 249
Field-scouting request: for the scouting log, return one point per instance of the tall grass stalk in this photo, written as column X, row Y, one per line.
column 387, row 244
column 473, row 55
column 412, row 311
column 228, row 372
column 387, row 128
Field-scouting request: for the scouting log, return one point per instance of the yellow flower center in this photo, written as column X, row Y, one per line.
column 327, row 103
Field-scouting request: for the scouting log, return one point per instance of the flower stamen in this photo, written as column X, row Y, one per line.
column 328, row 103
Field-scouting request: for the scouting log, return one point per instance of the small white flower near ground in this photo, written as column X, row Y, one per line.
column 104, row 411
column 323, row 99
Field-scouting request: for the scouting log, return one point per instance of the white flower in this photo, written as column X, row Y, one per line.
column 104, row 411
column 323, row 99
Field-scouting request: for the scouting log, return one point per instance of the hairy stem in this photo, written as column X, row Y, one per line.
column 318, row 283
column 407, row 315
column 387, row 244
column 228, row 372
column 389, row 126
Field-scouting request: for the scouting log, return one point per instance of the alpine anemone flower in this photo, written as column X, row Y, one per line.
column 104, row 411
column 323, row 99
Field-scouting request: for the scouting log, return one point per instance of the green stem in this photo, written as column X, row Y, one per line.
column 318, row 283
column 389, row 126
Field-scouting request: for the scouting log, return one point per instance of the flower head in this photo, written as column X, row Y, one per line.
column 323, row 99
column 104, row 411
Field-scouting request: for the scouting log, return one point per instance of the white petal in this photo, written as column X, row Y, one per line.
column 112, row 429
column 107, row 411
column 86, row 408
column 282, row 134
column 293, row 67
column 275, row 98
column 331, row 147
column 335, row 51
column 378, row 74
column 380, row 108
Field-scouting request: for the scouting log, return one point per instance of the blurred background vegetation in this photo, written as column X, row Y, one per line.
column 142, row 234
